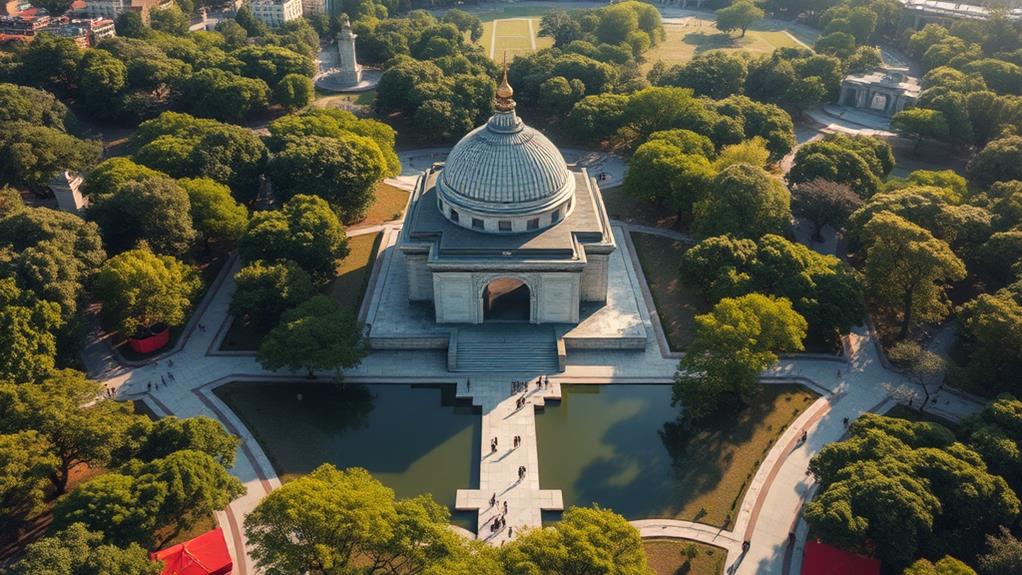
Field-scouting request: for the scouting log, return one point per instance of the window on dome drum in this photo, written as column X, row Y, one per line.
column 477, row 224
column 532, row 224
column 556, row 216
column 454, row 216
column 504, row 226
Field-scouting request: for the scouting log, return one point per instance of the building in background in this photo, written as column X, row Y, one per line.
column 111, row 9
column 310, row 7
column 276, row 13
column 886, row 91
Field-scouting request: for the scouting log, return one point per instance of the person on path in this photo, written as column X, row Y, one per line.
column 505, row 507
column 509, row 530
column 493, row 500
column 846, row 422
column 163, row 381
column 170, row 363
column 148, row 386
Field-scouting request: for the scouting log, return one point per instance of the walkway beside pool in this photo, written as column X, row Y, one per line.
column 498, row 471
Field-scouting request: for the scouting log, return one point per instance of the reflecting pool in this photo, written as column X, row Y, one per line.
column 413, row 438
column 621, row 446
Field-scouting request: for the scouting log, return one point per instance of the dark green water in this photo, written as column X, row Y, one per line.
column 608, row 444
column 414, row 439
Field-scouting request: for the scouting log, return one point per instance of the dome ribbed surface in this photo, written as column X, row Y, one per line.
column 505, row 162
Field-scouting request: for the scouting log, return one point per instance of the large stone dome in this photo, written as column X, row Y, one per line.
column 505, row 176
column 505, row 167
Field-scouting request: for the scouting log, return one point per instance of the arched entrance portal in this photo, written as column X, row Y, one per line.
column 506, row 299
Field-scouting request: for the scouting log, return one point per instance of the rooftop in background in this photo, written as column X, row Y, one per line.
column 955, row 9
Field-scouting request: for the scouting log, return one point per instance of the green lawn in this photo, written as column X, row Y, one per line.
column 326, row 100
column 676, row 303
column 389, row 205
column 697, row 36
column 517, row 36
column 666, row 558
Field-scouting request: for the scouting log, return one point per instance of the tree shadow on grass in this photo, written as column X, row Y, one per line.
column 704, row 42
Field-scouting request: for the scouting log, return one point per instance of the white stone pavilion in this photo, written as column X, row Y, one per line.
column 506, row 258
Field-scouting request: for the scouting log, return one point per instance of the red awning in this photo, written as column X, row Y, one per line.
column 823, row 559
column 205, row 555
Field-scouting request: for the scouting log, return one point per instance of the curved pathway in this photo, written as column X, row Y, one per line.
column 769, row 510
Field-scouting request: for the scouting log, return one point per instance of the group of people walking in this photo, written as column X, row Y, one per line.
column 542, row 382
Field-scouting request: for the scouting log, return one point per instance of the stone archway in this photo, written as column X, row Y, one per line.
column 507, row 299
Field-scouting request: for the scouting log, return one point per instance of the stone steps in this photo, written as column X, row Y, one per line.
column 507, row 347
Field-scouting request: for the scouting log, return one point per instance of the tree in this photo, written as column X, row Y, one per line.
column 112, row 502
column 465, row 22
column 214, row 93
column 317, row 335
column 52, row 254
column 294, row 92
column 840, row 44
column 907, row 269
column 27, row 341
column 343, row 170
column 36, row 107
column 1003, row 556
column 101, row 78
column 107, row 178
column 130, row 25
column 55, row 409
column 272, row 63
column 266, row 289
column 990, row 327
column 193, row 485
column 752, row 151
column 738, row 16
column 586, row 540
column 216, row 216
column 746, row 201
column 320, row 521
column 896, row 486
column 829, row 160
column 26, row 464
column 662, row 173
column 946, row 566
column 51, row 62
column 170, row 20
column 31, row 156
column 156, row 210
column 715, row 74
column 921, row 365
column 305, row 230
column 824, row 203
column 1000, row 160
column 732, row 345
column 140, row 289
column 920, row 123
column 78, row 551
column 169, row 435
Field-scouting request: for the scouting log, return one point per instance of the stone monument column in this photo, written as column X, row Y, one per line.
column 350, row 70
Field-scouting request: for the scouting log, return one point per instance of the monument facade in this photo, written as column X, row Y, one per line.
column 350, row 71
column 505, row 231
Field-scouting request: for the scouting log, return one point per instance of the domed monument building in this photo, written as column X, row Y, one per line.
column 504, row 234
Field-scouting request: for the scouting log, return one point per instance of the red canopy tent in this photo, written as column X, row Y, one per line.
column 207, row 554
column 823, row 559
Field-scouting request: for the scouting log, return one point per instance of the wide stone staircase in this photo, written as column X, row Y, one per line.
column 507, row 347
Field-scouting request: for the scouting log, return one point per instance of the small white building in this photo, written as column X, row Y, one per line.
column 66, row 188
column 886, row 91
column 276, row 13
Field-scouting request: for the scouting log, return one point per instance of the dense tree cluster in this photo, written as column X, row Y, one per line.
column 160, row 474
column 342, row 518
column 825, row 291
column 900, row 488
column 861, row 162
column 631, row 119
column 144, row 71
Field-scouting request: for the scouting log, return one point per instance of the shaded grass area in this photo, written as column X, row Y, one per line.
column 666, row 557
column 414, row 439
column 327, row 100
column 622, row 446
column 348, row 288
column 389, row 205
column 698, row 36
column 621, row 207
column 677, row 304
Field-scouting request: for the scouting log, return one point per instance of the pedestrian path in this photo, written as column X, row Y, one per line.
column 507, row 413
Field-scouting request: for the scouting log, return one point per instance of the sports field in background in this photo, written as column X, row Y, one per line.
column 696, row 36
column 516, row 35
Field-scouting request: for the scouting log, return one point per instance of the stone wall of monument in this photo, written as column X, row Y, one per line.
column 594, row 278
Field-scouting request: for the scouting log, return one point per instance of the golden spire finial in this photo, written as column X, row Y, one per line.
column 504, row 91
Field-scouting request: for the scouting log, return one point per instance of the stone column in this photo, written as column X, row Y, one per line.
column 351, row 72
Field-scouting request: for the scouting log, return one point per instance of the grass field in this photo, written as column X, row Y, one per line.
column 517, row 36
column 666, row 558
column 697, row 36
column 676, row 303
